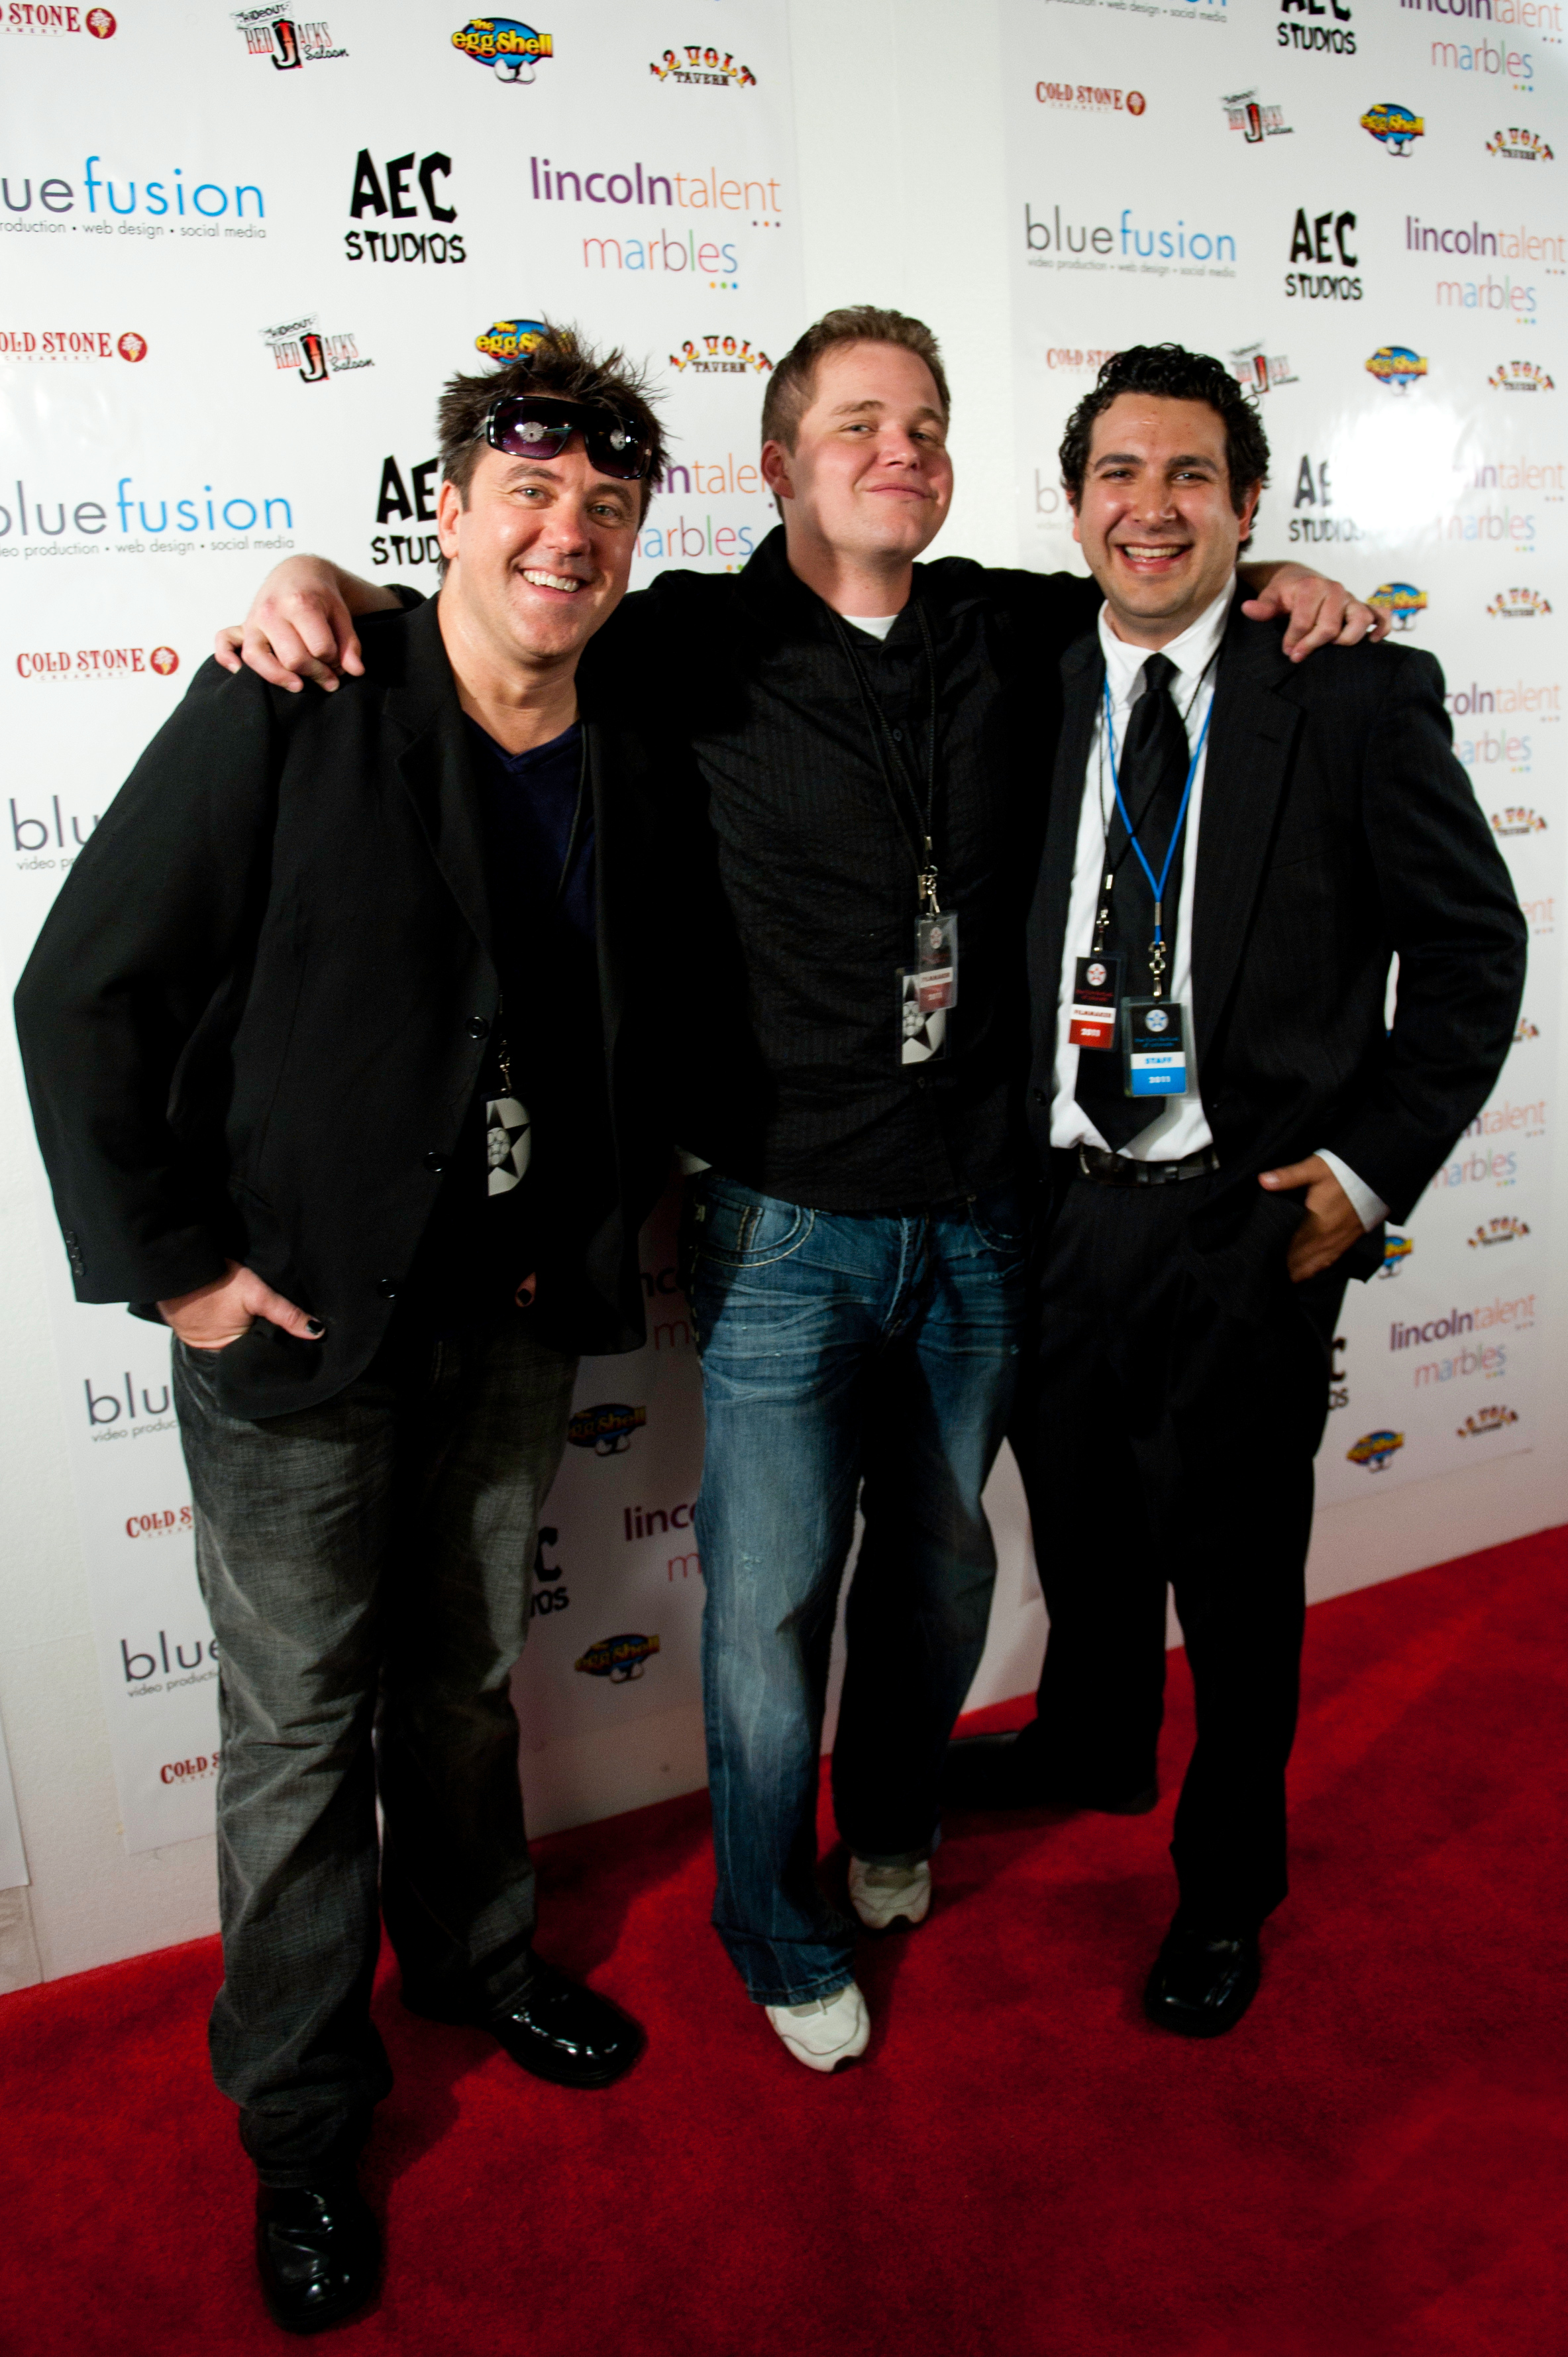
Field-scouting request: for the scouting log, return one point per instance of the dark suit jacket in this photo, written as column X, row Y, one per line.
column 1338, row 832
column 257, row 1013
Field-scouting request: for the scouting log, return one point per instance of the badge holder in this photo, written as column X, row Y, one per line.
column 1096, row 995
column 1154, row 1041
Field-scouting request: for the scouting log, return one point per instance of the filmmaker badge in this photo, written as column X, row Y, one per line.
column 1157, row 1053
column 922, row 1032
column 1096, row 988
column 936, row 960
column 508, row 1141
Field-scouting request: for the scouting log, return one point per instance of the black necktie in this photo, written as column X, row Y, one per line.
column 1153, row 768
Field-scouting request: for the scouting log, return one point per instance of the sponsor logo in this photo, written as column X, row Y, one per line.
column 673, row 255
column 26, row 517
column 638, row 184
column 1520, row 376
column 1486, row 1359
column 1254, row 121
column 1517, row 698
column 94, row 662
column 1375, row 1450
column 1518, row 605
column 410, row 498
column 1519, row 148
column 1338, row 1389
column 1062, row 242
column 168, row 1658
column 1396, row 365
column 549, row 1595
column 1516, row 820
column 1508, row 1229
column 1401, row 601
column 161, row 1523
column 1397, row 1250
column 394, row 200
column 1489, row 1419
column 1499, row 1119
column 509, row 339
column 1079, row 360
column 194, row 1770
column 1312, row 491
column 1525, row 1029
column 1540, row 916
column 300, row 344
column 719, row 355
column 71, row 344
column 272, row 32
column 606, row 1429
column 1544, row 16
column 112, row 1415
column 664, row 544
column 696, row 63
column 1501, row 244
column 504, row 43
column 1336, row 40
column 650, row 1522
column 1394, row 127
column 1089, row 97
column 1259, row 370
column 1326, row 237
column 18, row 16
column 1466, row 56
column 1516, row 1314
column 619, row 1658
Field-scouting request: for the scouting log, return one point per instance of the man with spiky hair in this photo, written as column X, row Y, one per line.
column 339, row 1049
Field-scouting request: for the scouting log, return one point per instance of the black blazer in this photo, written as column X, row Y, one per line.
column 1337, row 831
column 257, row 1013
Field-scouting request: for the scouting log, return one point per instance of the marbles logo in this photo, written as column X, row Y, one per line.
column 1519, row 148
column 698, row 63
column 510, row 340
column 504, row 43
column 1395, row 128
column 719, row 356
column 299, row 344
column 1396, row 365
column 274, row 32
column 1401, row 601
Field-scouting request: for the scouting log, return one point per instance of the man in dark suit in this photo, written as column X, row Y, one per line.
column 1237, row 848
column 340, row 1052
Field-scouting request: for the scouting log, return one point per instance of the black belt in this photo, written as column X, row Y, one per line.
column 1121, row 1170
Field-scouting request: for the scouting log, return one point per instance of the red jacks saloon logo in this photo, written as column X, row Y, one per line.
column 71, row 344
column 509, row 47
column 300, row 344
column 1260, row 372
column 1518, row 606
column 698, row 62
column 719, row 355
column 1519, row 148
column 509, row 339
column 290, row 41
column 1246, row 113
column 1401, row 601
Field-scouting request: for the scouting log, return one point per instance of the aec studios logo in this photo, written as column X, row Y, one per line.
column 300, row 344
column 72, row 344
column 606, row 1429
column 1518, row 606
column 1323, row 238
column 406, row 500
column 719, row 355
column 274, row 32
column 1394, row 127
column 1313, row 489
column 506, row 44
column 1519, row 148
column 1397, row 366
column 509, row 339
column 700, row 64
column 1333, row 40
column 18, row 16
column 1255, row 121
column 388, row 195
column 1401, row 601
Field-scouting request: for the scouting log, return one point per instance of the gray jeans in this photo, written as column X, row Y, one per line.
column 366, row 1565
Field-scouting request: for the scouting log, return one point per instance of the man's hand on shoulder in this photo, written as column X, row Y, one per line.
column 1332, row 1223
column 218, row 1314
column 301, row 625
column 1322, row 613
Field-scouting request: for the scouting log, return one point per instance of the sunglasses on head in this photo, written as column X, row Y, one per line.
column 526, row 426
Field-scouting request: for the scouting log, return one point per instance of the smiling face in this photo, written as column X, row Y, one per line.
column 538, row 556
column 1154, row 518
column 869, row 477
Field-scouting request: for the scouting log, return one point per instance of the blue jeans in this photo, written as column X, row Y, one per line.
column 844, row 1355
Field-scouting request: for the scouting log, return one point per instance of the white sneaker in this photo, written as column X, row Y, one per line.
column 828, row 2032
column 881, row 1894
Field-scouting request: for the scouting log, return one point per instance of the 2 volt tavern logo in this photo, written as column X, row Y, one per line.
column 1332, row 38
column 1520, row 376
column 299, row 344
column 274, row 32
column 719, row 355
column 697, row 62
column 1487, row 1420
column 1518, row 605
column 1394, row 127
column 1256, row 123
column 1519, row 148
column 1506, row 1230
column 1518, row 820
column 504, row 43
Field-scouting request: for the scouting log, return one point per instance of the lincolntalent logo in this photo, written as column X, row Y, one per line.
column 1505, row 1230
column 1397, row 1250
column 1516, row 820
column 697, row 63
column 719, row 356
column 606, row 1429
column 620, row 1659
column 1395, row 128
column 1401, row 601
column 1518, row 606
column 72, row 344
column 277, row 33
column 1519, row 148
column 1486, row 1420
column 300, row 344
column 1396, row 365
column 1260, row 372
column 509, row 47
column 509, row 339
column 1255, row 121
column 1520, row 376
column 1375, row 1450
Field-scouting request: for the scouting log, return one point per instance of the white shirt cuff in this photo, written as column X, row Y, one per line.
column 1368, row 1208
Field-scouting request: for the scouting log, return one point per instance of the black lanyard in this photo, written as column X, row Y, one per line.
column 903, row 789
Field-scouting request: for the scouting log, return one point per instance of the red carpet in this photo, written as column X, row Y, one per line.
column 1374, row 2162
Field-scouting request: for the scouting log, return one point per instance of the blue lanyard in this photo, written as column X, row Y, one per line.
column 1156, row 886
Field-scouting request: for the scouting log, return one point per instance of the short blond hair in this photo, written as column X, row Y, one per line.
column 793, row 383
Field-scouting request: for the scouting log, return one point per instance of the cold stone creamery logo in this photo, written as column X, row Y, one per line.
column 1334, row 39
column 1323, row 237
column 1519, row 148
column 1255, row 122
column 1401, row 601
column 697, row 63
column 508, row 339
column 1518, row 820
column 19, row 16
column 1508, row 1229
column 1091, row 98
column 299, row 344
column 1394, row 127
column 94, row 662
column 1396, row 365
column 274, row 32
column 606, row 1429
column 1375, row 1450
column 1490, row 1419
column 512, row 47
column 1521, row 376
column 618, row 1658
column 71, row 344
column 1259, row 370
column 1518, row 605
column 719, row 355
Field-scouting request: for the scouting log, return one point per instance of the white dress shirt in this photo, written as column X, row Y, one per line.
column 1180, row 1125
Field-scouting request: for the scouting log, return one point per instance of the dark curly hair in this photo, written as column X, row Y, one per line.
column 561, row 364
column 1177, row 374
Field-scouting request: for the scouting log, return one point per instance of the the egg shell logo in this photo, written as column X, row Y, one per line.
column 1374, row 1449
column 607, row 1428
column 509, row 339
column 505, row 43
column 1401, row 601
column 619, row 1658
column 1397, row 1250
column 1397, row 365
column 165, row 662
column 1394, row 127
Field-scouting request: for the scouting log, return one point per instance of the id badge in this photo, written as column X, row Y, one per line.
column 1096, row 991
column 509, row 1144
column 1154, row 1031
column 935, row 962
column 922, row 1030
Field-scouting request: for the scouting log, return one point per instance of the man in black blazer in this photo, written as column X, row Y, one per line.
column 339, row 1049
column 1237, row 848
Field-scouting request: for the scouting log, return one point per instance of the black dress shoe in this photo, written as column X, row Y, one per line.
column 554, row 2028
column 318, row 2250
column 995, row 1772
column 1200, row 1988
